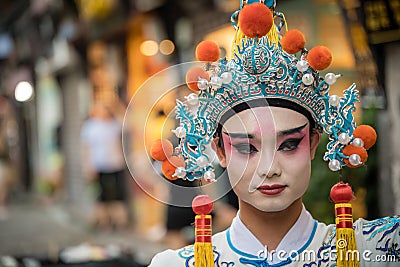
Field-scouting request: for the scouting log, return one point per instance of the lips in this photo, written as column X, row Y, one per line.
column 271, row 189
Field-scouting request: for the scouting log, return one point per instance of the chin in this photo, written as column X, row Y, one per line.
column 271, row 206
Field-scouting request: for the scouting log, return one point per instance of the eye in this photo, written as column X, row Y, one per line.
column 245, row 148
column 290, row 144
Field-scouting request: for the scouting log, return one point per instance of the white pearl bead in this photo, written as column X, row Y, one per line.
column 358, row 142
column 226, row 77
column 192, row 99
column 193, row 110
column 308, row 79
column 344, row 138
column 302, row 65
column 334, row 100
column 334, row 165
column 355, row 160
column 180, row 132
column 209, row 176
column 202, row 84
column 202, row 161
column 216, row 82
column 330, row 78
column 180, row 172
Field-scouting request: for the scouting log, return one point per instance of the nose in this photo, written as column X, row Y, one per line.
column 269, row 165
column 275, row 169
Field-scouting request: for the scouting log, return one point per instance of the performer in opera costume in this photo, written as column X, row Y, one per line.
column 263, row 111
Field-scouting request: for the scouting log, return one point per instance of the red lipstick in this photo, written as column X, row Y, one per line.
column 271, row 189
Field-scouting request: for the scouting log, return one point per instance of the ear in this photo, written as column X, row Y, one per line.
column 220, row 151
column 314, row 141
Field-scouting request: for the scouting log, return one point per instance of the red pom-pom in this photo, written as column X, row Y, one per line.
column 255, row 20
column 293, row 41
column 161, row 149
column 319, row 58
column 202, row 205
column 193, row 75
column 207, row 51
column 169, row 166
column 350, row 150
column 341, row 193
column 367, row 134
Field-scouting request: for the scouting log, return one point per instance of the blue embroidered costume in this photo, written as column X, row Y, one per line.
column 307, row 244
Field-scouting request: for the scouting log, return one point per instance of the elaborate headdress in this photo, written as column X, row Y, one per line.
column 264, row 68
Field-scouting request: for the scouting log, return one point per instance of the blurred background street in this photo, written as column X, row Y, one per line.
column 45, row 232
column 68, row 71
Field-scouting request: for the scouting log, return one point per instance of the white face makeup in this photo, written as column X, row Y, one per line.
column 267, row 154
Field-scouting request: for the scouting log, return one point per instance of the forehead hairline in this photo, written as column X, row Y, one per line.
column 252, row 134
column 267, row 116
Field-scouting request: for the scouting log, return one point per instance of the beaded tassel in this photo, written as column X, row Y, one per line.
column 346, row 247
column 203, row 251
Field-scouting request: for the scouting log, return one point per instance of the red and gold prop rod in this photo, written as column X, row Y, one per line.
column 346, row 247
column 202, row 205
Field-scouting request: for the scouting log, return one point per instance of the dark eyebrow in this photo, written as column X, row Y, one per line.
column 292, row 131
column 281, row 133
column 240, row 135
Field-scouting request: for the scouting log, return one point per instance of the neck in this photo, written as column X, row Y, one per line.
column 270, row 227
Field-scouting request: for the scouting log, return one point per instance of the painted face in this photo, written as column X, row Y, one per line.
column 267, row 153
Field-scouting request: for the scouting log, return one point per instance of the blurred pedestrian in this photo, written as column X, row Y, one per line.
column 103, row 162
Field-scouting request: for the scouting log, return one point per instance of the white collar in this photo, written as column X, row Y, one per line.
column 243, row 242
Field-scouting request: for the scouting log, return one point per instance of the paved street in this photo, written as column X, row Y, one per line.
column 43, row 231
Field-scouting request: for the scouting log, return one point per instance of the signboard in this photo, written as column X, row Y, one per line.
column 381, row 20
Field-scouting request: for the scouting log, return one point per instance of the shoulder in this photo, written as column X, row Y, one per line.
column 378, row 227
column 377, row 240
column 369, row 229
column 380, row 238
column 185, row 255
column 377, row 222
